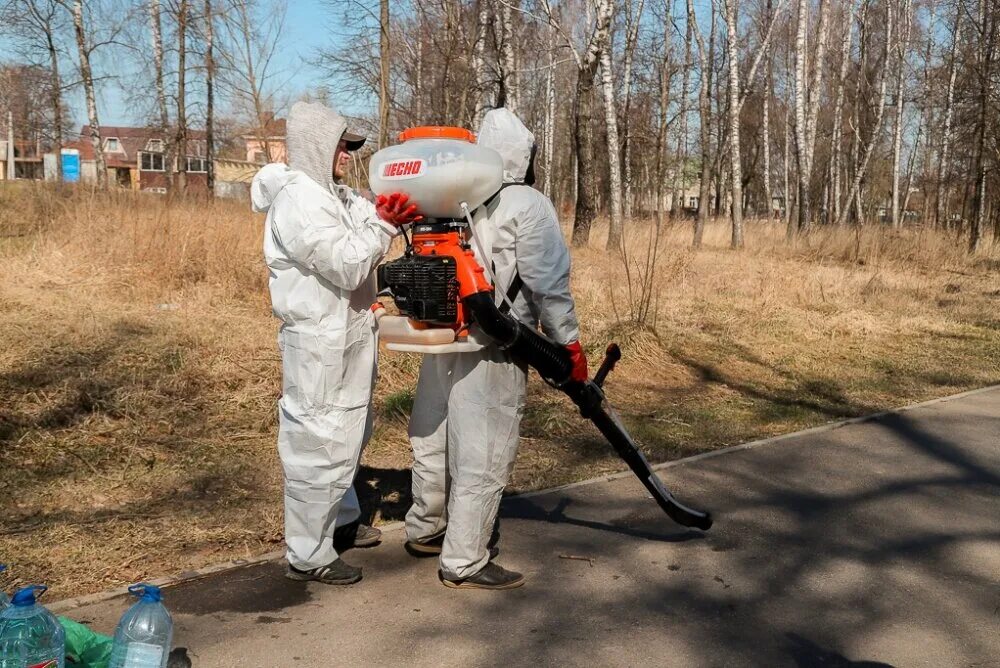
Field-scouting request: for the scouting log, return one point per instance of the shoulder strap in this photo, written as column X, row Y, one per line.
column 515, row 287
column 492, row 198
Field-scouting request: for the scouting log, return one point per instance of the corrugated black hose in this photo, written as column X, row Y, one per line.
column 553, row 363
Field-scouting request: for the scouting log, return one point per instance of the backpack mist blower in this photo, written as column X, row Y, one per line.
column 441, row 289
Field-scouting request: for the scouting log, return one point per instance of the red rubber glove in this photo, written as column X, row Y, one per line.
column 579, row 359
column 393, row 209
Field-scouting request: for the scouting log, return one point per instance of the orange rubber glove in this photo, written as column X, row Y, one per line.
column 393, row 209
column 579, row 359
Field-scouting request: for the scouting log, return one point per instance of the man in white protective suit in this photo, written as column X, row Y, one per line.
column 468, row 406
column 322, row 241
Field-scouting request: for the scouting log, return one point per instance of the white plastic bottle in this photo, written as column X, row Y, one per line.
column 145, row 631
column 30, row 635
column 438, row 168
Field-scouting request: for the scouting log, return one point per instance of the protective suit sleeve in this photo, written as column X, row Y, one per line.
column 543, row 262
column 317, row 238
column 363, row 211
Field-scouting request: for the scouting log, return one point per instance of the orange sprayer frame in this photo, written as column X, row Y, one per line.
column 471, row 277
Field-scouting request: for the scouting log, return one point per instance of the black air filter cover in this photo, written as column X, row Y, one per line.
column 424, row 288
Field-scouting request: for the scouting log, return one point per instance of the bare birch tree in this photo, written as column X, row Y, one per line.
column 509, row 90
column 987, row 20
column 705, row 59
column 84, row 49
column 836, row 140
column 614, row 150
column 550, row 114
column 807, row 99
column 940, row 201
column 861, row 165
column 737, row 96
column 587, row 62
column 156, row 30
column 209, row 20
column 681, row 152
column 735, row 159
column 633, row 19
column 766, row 119
column 181, row 137
column 479, row 64
column 902, row 45
column 248, row 71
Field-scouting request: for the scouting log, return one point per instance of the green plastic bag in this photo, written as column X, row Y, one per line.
column 85, row 648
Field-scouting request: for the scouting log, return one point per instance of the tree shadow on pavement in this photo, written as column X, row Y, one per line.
column 808, row 654
column 524, row 508
column 845, row 539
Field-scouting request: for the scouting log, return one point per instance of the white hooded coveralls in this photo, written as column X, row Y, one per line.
column 466, row 416
column 322, row 242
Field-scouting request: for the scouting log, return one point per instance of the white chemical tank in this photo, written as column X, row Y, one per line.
column 438, row 168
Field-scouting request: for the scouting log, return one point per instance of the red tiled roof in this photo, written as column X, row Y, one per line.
column 85, row 148
column 131, row 141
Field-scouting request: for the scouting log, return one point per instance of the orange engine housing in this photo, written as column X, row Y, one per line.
column 437, row 248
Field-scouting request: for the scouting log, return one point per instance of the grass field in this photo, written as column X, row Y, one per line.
column 139, row 370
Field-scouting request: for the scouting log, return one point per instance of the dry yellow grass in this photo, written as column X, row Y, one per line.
column 139, row 373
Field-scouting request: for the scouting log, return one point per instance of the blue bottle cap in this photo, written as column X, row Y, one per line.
column 3, row 567
column 146, row 592
column 26, row 597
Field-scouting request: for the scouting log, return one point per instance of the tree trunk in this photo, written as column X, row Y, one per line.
column 862, row 166
column 550, row 114
column 897, row 131
column 661, row 135
column 910, row 166
column 55, row 83
column 807, row 98
column 949, row 110
column 614, row 167
column 735, row 163
column 987, row 51
column 583, row 148
column 479, row 66
column 210, row 97
column 509, row 93
column 583, row 134
column 786, row 184
column 87, row 78
column 182, row 17
column 836, row 142
column 161, row 95
column 680, row 172
column 384, row 72
column 631, row 39
column 766, row 140
column 860, row 79
column 801, row 131
column 706, row 58
column 925, row 153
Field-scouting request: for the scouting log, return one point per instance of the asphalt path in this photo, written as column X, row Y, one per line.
column 875, row 543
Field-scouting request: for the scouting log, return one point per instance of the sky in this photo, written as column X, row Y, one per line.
column 307, row 28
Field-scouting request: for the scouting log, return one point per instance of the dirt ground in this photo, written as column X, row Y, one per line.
column 139, row 370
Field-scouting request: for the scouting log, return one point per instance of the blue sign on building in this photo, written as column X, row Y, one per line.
column 71, row 165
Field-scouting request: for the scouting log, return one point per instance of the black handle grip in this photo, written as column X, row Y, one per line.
column 611, row 357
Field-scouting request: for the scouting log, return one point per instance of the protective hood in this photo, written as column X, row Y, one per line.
column 314, row 130
column 504, row 132
column 267, row 183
